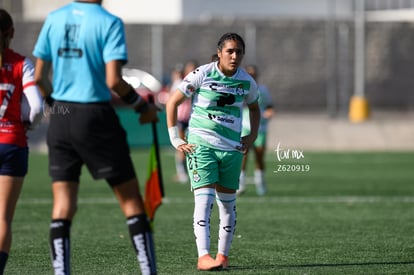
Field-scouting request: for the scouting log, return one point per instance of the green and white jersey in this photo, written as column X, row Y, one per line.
column 217, row 104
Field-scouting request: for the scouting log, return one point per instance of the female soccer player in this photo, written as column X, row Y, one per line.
column 214, row 145
column 16, row 82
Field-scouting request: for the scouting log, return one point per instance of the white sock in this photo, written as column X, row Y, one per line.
column 203, row 205
column 180, row 165
column 259, row 182
column 227, row 210
column 258, row 177
column 242, row 180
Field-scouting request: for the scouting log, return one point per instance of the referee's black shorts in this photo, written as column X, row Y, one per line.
column 88, row 134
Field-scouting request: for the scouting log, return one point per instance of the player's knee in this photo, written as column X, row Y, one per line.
column 66, row 212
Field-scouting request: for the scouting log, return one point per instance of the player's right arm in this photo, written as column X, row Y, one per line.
column 186, row 89
column 171, row 110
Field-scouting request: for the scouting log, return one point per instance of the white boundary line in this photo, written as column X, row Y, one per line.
column 243, row 200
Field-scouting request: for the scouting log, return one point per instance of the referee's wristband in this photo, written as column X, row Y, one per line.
column 175, row 139
column 133, row 99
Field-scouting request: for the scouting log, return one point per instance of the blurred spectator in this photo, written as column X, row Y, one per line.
column 259, row 146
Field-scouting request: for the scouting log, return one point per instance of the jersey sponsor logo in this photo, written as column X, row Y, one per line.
column 70, row 53
column 69, row 48
column 78, row 12
column 226, row 99
column 213, row 86
column 220, row 118
column 5, row 125
column 227, row 88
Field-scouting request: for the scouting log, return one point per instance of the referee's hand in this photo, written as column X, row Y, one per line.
column 150, row 115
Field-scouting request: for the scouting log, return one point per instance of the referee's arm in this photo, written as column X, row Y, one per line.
column 114, row 79
column 115, row 82
column 42, row 79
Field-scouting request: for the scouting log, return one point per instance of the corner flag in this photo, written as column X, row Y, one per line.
column 153, row 188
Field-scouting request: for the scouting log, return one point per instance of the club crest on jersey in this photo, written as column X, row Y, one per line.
column 239, row 89
column 189, row 89
column 8, row 67
column 196, row 176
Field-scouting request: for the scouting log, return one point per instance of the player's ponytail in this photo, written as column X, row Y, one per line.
column 1, row 49
column 6, row 31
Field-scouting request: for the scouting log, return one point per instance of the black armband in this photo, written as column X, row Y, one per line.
column 131, row 98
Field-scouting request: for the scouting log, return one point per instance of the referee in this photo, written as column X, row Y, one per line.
column 84, row 45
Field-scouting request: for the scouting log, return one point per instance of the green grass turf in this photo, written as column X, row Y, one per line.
column 352, row 213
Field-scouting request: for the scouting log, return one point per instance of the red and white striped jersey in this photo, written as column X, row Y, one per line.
column 16, row 74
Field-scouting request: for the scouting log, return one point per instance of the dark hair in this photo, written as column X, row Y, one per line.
column 230, row 36
column 6, row 26
column 6, row 22
column 214, row 57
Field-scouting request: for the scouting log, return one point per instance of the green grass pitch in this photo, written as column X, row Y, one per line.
column 351, row 213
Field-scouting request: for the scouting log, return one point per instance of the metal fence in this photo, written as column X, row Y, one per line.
column 308, row 65
column 388, row 4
